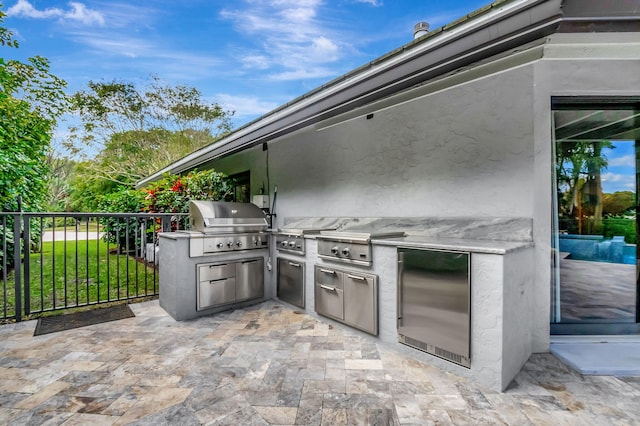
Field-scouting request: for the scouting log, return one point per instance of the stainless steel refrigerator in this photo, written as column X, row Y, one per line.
column 434, row 309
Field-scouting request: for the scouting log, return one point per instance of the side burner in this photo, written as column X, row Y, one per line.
column 350, row 246
column 291, row 240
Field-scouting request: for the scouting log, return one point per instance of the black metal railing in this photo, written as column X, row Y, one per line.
column 54, row 261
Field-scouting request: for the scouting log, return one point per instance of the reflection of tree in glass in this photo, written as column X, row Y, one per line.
column 579, row 166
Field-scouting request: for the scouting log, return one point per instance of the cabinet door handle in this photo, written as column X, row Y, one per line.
column 218, row 280
column 355, row 277
column 295, row 265
column 218, row 266
column 327, row 271
column 248, row 261
column 326, row 287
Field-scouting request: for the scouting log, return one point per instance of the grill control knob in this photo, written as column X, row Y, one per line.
column 285, row 243
column 219, row 245
column 292, row 244
column 334, row 250
column 238, row 243
column 229, row 244
column 256, row 241
column 345, row 251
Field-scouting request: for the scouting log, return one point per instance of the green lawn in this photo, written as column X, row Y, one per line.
column 79, row 273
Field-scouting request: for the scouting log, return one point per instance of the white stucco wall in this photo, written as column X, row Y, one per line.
column 462, row 152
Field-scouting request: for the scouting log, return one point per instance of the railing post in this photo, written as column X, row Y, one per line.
column 17, row 267
column 27, row 264
column 166, row 223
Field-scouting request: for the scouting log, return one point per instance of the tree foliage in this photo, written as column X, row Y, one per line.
column 139, row 131
column 31, row 100
column 172, row 193
column 619, row 203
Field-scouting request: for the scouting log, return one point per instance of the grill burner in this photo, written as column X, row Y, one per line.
column 291, row 240
column 350, row 246
column 218, row 226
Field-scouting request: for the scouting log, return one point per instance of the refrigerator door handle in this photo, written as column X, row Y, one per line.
column 399, row 289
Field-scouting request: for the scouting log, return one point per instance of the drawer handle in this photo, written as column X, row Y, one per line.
column 218, row 280
column 295, row 265
column 355, row 277
column 326, row 287
column 327, row 271
column 217, row 266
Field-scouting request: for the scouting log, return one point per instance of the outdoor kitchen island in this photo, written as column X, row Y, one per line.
column 499, row 302
column 219, row 264
column 501, row 279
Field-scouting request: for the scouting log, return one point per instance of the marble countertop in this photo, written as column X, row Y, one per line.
column 457, row 244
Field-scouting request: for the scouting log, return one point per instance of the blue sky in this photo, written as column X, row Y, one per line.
column 248, row 55
column 621, row 170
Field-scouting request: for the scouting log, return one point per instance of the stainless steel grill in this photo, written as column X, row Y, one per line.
column 218, row 226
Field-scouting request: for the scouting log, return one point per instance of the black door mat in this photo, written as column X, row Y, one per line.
column 53, row 324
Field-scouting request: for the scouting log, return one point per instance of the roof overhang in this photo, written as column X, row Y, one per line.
column 494, row 29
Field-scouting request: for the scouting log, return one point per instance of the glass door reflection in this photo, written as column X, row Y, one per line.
column 596, row 204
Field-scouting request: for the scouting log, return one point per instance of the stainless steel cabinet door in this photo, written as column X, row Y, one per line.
column 250, row 279
column 291, row 281
column 361, row 302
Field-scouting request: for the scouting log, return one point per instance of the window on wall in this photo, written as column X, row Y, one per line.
column 241, row 187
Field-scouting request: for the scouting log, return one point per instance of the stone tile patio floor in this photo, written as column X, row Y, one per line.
column 269, row 364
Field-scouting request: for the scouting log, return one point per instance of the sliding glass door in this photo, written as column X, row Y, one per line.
column 595, row 273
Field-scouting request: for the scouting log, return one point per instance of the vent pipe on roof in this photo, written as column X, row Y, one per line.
column 420, row 29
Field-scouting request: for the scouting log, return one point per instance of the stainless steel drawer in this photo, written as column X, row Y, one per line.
column 329, row 277
column 216, row 272
column 329, row 301
column 216, row 292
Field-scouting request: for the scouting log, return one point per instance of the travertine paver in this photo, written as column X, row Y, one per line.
column 269, row 364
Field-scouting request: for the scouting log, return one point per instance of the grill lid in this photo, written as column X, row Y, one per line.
column 226, row 217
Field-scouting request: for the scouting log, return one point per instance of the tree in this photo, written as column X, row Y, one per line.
column 619, row 203
column 31, row 100
column 579, row 169
column 139, row 131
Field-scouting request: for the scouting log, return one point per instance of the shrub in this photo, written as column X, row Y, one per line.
column 172, row 193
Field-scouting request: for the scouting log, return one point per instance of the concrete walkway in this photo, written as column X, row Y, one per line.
column 269, row 364
column 71, row 235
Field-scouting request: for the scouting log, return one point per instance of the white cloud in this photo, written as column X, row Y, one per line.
column 79, row 12
column 612, row 182
column 293, row 42
column 25, row 9
column 76, row 12
column 245, row 106
column 624, row 161
column 110, row 45
column 374, row 3
column 255, row 61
